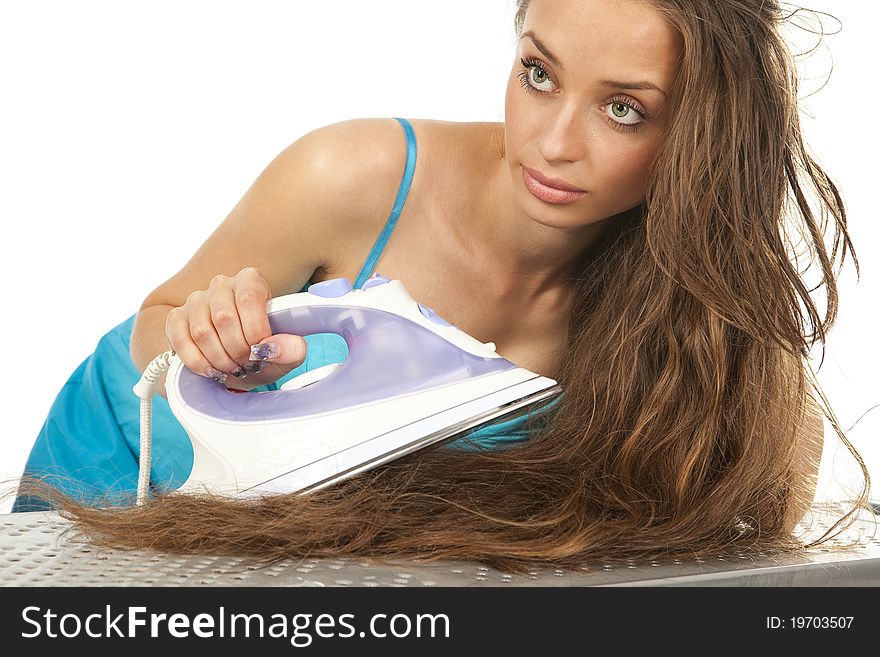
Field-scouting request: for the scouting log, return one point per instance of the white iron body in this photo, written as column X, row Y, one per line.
column 411, row 380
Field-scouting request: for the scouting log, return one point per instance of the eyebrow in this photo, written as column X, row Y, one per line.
column 617, row 84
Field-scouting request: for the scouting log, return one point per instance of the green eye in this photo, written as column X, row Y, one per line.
column 625, row 115
column 534, row 74
column 620, row 109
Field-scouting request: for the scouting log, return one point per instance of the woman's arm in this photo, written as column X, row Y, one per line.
column 327, row 189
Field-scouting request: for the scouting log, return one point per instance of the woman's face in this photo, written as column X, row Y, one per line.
column 564, row 121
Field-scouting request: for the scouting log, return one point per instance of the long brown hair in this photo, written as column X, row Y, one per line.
column 685, row 378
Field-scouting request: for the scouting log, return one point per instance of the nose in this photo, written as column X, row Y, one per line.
column 563, row 137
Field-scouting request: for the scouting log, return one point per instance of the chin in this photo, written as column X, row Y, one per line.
column 560, row 217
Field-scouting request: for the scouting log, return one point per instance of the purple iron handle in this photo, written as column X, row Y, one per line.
column 388, row 355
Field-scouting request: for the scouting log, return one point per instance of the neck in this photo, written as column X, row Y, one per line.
column 520, row 255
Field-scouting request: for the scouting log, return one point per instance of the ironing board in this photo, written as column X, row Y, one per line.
column 34, row 552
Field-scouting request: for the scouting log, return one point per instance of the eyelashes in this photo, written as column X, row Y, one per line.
column 619, row 100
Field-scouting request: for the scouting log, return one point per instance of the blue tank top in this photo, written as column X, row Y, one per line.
column 89, row 443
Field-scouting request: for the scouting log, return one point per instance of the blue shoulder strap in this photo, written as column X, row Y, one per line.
column 382, row 240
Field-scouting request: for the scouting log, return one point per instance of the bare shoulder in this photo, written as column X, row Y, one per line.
column 361, row 162
column 351, row 165
column 320, row 193
column 318, row 206
column 366, row 157
column 356, row 168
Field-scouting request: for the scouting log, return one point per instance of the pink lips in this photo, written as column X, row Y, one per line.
column 550, row 190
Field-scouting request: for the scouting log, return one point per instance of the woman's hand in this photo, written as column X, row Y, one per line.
column 225, row 330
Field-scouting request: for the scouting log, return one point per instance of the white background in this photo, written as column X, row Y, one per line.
column 129, row 130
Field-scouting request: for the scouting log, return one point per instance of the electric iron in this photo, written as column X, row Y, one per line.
column 411, row 380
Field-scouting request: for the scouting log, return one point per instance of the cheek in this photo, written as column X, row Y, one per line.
column 627, row 163
column 510, row 93
column 522, row 125
column 513, row 106
column 624, row 174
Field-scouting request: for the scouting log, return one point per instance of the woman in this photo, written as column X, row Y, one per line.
column 657, row 291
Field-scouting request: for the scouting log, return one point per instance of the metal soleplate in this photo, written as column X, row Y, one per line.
column 432, row 431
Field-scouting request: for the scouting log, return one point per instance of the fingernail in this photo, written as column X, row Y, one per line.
column 218, row 376
column 239, row 373
column 254, row 368
column 265, row 351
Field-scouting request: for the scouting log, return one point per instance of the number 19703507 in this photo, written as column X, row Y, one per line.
column 809, row 622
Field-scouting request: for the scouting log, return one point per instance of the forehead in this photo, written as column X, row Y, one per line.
column 607, row 38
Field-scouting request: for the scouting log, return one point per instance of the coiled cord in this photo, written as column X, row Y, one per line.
column 145, row 389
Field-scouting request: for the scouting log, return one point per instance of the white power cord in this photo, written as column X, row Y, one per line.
column 145, row 389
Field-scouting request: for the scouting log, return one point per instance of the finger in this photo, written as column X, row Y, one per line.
column 227, row 324
column 281, row 349
column 251, row 293
column 205, row 336
column 178, row 333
